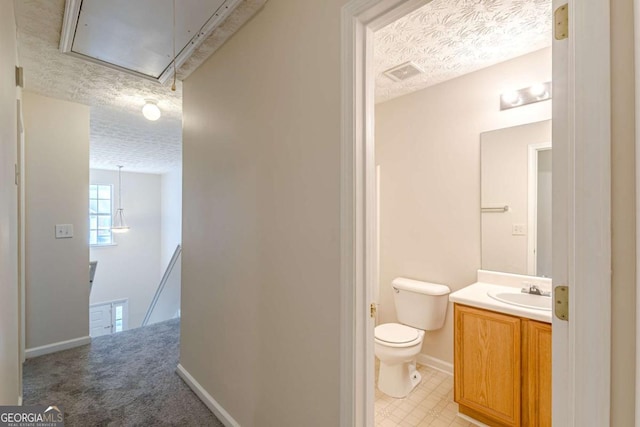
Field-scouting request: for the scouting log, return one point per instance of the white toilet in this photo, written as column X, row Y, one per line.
column 421, row 307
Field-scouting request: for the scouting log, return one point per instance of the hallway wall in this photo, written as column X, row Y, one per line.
column 623, row 216
column 261, row 259
column 9, row 344
column 57, row 188
column 171, row 210
column 130, row 269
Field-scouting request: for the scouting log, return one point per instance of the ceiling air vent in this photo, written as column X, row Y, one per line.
column 403, row 71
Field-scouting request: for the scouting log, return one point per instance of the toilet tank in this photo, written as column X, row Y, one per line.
column 421, row 305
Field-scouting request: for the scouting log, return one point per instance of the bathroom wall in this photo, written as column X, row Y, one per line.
column 428, row 149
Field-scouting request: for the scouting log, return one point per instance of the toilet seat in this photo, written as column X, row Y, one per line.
column 396, row 335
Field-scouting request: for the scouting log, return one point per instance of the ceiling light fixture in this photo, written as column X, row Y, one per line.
column 119, row 225
column 528, row 95
column 150, row 111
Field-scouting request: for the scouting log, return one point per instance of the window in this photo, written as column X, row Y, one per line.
column 100, row 215
column 118, row 318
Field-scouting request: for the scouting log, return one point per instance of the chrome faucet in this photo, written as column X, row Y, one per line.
column 534, row 290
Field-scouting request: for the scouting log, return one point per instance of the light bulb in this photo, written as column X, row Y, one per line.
column 538, row 90
column 151, row 111
column 511, row 97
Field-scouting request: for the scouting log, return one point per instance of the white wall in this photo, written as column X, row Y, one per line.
column 57, row 184
column 131, row 268
column 171, row 222
column 428, row 149
column 261, row 233
column 9, row 345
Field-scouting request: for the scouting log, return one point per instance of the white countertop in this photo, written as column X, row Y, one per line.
column 475, row 295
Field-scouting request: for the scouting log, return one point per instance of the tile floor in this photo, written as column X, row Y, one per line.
column 429, row 404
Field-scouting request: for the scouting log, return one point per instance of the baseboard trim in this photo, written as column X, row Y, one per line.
column 30, row 353
column 437, row 364
column 206, row 398
column 471, row 420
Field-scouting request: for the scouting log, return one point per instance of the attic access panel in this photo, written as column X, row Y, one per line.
column 137, row 36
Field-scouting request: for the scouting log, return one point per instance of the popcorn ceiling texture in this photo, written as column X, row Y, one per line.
column 137, row 143
column 449, row 38
column 119, row 132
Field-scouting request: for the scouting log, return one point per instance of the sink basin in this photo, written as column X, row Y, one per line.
column 535, row 302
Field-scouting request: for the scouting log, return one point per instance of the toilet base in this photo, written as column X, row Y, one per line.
column 398, row 380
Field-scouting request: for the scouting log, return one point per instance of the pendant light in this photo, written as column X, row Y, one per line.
column 119, row 225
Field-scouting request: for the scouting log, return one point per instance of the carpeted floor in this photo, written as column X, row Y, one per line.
column 122, row 379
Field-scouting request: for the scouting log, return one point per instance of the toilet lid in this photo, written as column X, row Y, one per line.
column 395, row 333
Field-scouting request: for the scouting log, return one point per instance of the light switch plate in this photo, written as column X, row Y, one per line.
column 519, row 230
column 64, row 231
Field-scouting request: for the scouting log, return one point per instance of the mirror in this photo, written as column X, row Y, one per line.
column 515, row 199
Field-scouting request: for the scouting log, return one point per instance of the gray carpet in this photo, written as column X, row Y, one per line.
column 124, row 379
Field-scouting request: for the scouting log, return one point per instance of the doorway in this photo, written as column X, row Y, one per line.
column 108, row 318
column 580, row 397
column 540, row 213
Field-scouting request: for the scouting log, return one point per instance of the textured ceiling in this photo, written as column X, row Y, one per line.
column 446, row 38
column 119, row 133
column 449, row 38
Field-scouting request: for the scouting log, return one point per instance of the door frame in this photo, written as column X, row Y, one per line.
column 581, row 362
column 636, row 27
column 20, row 166
column 532, row 204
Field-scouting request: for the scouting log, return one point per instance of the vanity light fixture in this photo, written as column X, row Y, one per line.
column 528, row 95
column 538, row 90
column 150, row 111
column 512, row 98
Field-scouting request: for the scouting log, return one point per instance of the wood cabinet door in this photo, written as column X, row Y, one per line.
column 487, row 365
column 536, row 390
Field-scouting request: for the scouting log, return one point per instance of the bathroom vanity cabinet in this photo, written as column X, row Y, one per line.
column 502, row 368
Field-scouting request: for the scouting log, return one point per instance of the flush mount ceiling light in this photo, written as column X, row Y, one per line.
column 119, row 224
column 528, row 95
column 150, row 111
